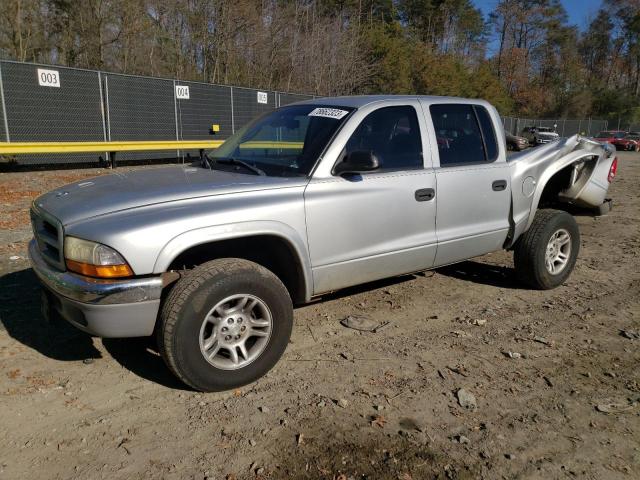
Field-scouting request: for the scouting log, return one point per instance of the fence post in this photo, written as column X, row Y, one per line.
column 102, row 106
column 111, row 156
column 233, row 120
column 4, row 108
column 175, row 112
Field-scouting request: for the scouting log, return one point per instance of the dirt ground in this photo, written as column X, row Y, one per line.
column 343, row 404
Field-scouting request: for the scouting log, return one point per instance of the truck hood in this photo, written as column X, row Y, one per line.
column 122, row 191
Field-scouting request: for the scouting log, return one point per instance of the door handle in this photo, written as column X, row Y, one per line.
column 499, row 185
column 425, row 194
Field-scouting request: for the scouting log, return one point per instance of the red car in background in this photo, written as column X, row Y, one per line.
column 635, row 136
column 619, row 139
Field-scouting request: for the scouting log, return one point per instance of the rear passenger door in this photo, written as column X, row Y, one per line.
column 473, row 182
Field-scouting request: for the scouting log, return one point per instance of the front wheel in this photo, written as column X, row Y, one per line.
column 545, row 255
column 225, row 324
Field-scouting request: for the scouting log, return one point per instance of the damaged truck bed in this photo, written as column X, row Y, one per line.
column 574, row 170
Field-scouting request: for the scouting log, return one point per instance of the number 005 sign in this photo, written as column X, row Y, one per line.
column 48, row 78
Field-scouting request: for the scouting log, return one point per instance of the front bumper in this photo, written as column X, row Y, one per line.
column 106, row 308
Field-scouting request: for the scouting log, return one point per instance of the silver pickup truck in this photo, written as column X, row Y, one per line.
column 308, row 199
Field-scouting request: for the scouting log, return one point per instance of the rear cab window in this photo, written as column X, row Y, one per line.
column 464, row 134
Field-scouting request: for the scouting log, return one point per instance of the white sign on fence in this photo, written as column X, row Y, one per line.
column 48, row 78
column 182, row 92
column 262, row 97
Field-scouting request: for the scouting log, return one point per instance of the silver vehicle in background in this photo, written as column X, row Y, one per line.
column 540, row 135
column 310, row 198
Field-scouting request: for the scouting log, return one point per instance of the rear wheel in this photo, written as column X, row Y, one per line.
column 545, row 255
column 225, row 324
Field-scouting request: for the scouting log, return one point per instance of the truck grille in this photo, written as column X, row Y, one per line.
column 47, row 231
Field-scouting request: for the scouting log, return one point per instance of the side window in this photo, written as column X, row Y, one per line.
column 460, row 139
column 488, row 133
column 393, row 135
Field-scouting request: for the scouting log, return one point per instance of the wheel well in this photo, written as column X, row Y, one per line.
column 573, row 177
column 558, row 182
column 270, row 251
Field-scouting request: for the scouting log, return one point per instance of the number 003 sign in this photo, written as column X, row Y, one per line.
column 48, row 78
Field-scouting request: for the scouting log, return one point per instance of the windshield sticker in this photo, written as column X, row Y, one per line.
column 328, row 113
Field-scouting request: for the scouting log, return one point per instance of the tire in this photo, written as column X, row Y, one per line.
column 192, row 317
column 530, row 253
column 604, row 208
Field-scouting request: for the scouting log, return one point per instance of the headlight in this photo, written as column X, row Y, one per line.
column 94, row 259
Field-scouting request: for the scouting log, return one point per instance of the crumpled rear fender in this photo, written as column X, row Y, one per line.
column 532, row 170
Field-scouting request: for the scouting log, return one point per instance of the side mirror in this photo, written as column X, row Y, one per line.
column 357, row 162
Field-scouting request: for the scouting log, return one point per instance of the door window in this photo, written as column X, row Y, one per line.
column 393, row 135
column 488, row 133
column 464, row 134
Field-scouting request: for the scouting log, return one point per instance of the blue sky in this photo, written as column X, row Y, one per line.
column 580, row 11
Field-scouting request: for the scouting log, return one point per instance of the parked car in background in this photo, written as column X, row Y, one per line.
column 516, row 143
column 635, row 136
column 540, row 135
column 618, row 138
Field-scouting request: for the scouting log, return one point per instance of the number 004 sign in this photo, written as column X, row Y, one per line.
column 48, row 78
column 182, row 92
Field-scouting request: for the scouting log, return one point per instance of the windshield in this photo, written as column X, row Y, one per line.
column 285, row 142
column 545, row 129
column 603, row 135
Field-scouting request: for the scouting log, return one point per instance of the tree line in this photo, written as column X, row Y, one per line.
column 525, row 57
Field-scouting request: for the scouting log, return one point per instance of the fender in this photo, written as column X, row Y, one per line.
column 199, row 236
column 531, row 172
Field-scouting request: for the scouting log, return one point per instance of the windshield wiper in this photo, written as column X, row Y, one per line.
column 242, row 163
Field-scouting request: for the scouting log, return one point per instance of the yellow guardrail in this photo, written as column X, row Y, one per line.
column 270, row 145
column 22, row 148
column 25, row 148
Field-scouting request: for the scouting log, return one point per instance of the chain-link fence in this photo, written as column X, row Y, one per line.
column 587, row 127
column 37, row 108
column 47, row 103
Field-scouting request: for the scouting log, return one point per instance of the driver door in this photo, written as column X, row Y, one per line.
column 363, row 227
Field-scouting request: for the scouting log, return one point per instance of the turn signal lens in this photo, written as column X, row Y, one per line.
column 94, row 259
column 101, row 271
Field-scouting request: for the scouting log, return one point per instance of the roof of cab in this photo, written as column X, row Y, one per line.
column 357, row 101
